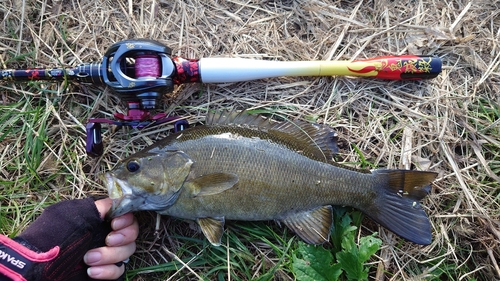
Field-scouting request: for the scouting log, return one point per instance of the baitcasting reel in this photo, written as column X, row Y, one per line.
column 141, row 71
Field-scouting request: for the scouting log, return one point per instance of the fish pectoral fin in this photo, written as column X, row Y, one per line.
column 312, row 226
column 212, row 228
column 212, row 183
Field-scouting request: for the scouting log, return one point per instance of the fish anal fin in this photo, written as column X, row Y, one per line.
column 212, row 228
column 212, row 183
column 397, row 205
column 312, row 226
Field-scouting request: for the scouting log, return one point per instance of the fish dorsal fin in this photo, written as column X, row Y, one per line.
column 312, row 226
column 211, row 184
column 212, row 228
column 234, row 117
column 319, row 142
column 316, row 141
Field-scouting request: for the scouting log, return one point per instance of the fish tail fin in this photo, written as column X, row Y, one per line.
column 397, row 207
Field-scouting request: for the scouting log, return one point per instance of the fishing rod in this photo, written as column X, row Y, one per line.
column 141, row 71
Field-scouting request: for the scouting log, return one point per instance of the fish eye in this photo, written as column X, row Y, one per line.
column 133, row 166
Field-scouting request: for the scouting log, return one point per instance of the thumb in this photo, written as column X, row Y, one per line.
column 103, row 206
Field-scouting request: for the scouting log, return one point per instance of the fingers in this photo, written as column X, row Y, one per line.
column 109, row 255
column 120, row 245
column 125, row 231
column 106, row 272
column 122, row 221
column 126, row 228
column 102, row 261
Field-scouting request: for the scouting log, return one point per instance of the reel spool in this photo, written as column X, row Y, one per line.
column 139, row 71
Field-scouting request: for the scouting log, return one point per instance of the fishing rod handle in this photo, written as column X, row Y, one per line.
column 406, row 67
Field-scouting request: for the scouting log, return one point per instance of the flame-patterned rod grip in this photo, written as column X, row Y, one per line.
column 407, row 67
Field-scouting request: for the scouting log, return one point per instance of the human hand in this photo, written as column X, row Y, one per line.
column 120, row 244
column 55, row 246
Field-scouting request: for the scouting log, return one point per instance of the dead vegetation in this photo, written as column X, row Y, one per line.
column 450, row 124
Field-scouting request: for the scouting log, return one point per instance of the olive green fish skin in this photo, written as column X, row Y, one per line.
column 274, row 180
column 242, row 168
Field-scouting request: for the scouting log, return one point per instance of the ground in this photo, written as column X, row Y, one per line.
column 450, row 124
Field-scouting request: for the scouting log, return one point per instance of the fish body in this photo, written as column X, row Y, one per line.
column 243, row 167
column 273, row 181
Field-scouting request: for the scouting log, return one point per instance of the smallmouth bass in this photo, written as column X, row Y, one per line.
column 244, row 167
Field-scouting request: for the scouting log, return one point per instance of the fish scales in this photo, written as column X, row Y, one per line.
column 243, row 167
column 273, row 179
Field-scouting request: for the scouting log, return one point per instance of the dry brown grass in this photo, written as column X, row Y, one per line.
column 449, row 124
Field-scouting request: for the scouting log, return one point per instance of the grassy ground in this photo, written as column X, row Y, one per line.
column 450, row 124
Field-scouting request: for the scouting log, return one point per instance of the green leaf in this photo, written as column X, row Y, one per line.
column 342, row 228
column 352, row 258
column 314, row 263
column 368, row 246
column 353, row 269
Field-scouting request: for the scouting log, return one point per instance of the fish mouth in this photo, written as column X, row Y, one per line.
column 121, row 194
column 126, row 198
column 116, row 187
